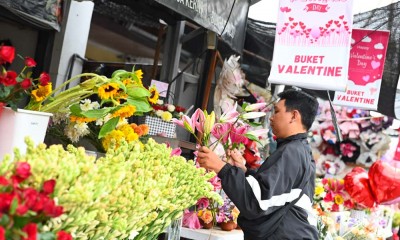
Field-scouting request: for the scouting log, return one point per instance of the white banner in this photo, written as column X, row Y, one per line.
column 312, row 44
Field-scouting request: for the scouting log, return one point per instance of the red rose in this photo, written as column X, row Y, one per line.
column 48, row 186
column 31, row 230
column 5, row 201
column 29, row 62
column 26, row 83
column 2, row 233
column 10, row 78
column 44, row 78
column 22, row 209
column 51, row 210
column 62, row 235
column 4, row 181
column 23, row 170
column 7, row 54
column 30, row 195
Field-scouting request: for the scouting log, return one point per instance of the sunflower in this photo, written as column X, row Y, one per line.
column 108, row 90
column 125, row 111
column 153, row 95
column 339, row 199
column 42, row 92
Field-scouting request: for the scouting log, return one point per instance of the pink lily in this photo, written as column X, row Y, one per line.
column 230, row 115
column 176, row 152
column 237, row 134
column 255, row 106
column 190, row 220
column 258, row 133
column 220, row 131
column 199, row 119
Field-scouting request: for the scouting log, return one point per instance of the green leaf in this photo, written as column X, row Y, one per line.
column 252, row 137
column 4, row 220
column 244, row 105
column 254, row 124
column 97, row 113
column 137, row 92
column 141, row 105
column 76, row 110
column 118, row 73
column 14, row 205
column 108, row 127
column 47, row 236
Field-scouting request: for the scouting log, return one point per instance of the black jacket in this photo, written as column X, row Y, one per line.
column 261, row 196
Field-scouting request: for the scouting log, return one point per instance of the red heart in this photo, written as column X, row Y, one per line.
column 330, row 22
column 357, row 185
column 384, row 179
column 291, row 19
column 341, row 17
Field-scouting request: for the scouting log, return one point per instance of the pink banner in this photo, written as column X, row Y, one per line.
column 367, row 58
column 312, row 44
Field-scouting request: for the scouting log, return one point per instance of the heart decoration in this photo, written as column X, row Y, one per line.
column 384, row 179
column 379, row 56
column 357, row 185
column 365, row 78
column 375, row 64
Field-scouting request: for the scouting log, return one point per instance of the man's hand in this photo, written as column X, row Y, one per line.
column 236, row 159
column 209, row 160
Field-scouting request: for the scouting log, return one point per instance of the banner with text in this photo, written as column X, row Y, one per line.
column 367, row 58
column 312, row 44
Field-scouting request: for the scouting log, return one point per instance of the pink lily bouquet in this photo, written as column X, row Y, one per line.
column 232, row 129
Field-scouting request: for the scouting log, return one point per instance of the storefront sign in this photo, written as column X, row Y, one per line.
column 367, row 58
column 214, row 15
column 312, row 44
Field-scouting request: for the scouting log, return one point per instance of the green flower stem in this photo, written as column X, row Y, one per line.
column 65, row 100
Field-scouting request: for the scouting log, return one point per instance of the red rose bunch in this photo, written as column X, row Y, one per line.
column 15, row 86
column 24, row 209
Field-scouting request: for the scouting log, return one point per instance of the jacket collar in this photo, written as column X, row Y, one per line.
column 291, row 138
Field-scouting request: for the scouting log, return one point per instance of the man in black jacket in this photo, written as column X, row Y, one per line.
column 275, row 202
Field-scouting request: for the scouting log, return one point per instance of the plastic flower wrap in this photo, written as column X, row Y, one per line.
column 120, row 97
column 135, row 191
column 26, row 205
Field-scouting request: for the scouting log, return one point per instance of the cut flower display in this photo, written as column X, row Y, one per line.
column 120, row 97
column 24, row 209
column 167, row 111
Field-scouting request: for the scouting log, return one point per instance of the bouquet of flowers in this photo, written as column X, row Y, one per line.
column 167, row 111
column 24, row 210
column 227, row 212
column 336, row 198
column 121, row 96
column 14, row 86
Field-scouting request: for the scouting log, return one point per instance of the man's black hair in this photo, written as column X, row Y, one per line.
column 303, row 102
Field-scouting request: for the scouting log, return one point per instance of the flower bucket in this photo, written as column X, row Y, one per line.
column 15, row 126
column 159, row 127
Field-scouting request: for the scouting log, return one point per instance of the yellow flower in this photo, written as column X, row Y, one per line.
column 108, row 90
column 139, row 74
column 42, row 92
column 339, row 199
column 127, row 81
column 129, row 133
column 166, row 116
column 319, row 190
column 125, row 111
column 113, row 135
column 154, row 94
column 81, row 119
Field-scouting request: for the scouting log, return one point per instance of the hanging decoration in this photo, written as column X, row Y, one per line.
column 312, row 44
column 367, row 58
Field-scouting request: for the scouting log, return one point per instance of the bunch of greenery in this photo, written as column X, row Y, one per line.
column 135, row 191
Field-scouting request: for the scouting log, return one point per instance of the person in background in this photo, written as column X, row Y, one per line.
column 275, row 201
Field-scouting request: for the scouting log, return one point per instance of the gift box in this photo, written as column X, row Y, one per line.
column 157, row 126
